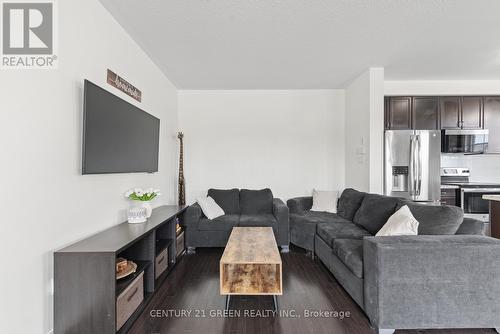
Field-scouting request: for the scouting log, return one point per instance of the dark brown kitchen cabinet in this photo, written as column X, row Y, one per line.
column 386, row 112
column 425, row 113
column 406, row 113
column 399, row 113
column 492, row 122
column 445, row 112
column 472, row 112
column 449, row 197
column 464, row 112
column 387, row 124
column 450, row 112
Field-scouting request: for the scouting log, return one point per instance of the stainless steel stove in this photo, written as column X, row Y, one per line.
column 470, row 194
column 474, row 184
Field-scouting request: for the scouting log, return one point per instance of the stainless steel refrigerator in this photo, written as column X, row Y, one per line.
column 412, row 160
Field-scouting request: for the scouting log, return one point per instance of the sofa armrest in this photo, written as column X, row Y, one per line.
column 192, row 216
column 281, row 212
column 299, row 205
column 471, row 227
column 432, row 281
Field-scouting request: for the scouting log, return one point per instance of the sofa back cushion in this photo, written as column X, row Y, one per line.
column 256, row 201
column 374, row 212
column 227, row 199
column 436, row 219
column 349, row 203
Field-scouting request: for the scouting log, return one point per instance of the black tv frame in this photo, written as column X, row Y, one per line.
column 157, row 149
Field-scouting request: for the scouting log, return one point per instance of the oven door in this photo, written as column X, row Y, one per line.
column 474, row 205
column 464, row 141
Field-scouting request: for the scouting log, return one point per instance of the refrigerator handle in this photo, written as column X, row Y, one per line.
column 411, row 175
column 419, row 166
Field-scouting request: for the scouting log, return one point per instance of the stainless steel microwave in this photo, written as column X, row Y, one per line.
column 464, row 141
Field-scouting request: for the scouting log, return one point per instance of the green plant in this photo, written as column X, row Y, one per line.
column 137, row 194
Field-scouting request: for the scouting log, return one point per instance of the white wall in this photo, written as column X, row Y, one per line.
column 289, row 140
column 46, row 203
column 364, row 131
column 377, row 130
column 357, row 124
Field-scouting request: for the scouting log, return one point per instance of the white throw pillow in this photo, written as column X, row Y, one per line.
column 325, row 201
column 210, row 209
column 401, row 222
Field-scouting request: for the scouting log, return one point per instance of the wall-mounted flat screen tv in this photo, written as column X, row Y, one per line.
column 118, row 137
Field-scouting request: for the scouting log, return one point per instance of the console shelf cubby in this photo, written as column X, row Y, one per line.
column 162, row 244
column 123, row 283
column 85, row 284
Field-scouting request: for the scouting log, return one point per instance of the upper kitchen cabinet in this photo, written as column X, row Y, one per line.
column 450, row 112
column 464, row 112
column 398, row 114
column 472, row 112
column 406, row 113
column 492, row 122
column 425, row 113
column 387, row 124
column 434, row 113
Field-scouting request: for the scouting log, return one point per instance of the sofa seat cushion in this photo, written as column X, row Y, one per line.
column 222, row 223
column 350, row 252
column 256, row 201
column 323, row 217
column 437, row 219
column 227, row 199
column 349, row 203
column 258, row 220
column 299, row 219
column 331, row 231
column 374, row 212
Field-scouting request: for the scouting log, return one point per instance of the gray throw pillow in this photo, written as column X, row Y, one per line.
column 349, row 203
column 227, row 199
column 256, row 201
column 437, row 219
column 374, row 212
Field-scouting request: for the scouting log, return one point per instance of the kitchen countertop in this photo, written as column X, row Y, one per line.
column 449, row 186
column 492, row 197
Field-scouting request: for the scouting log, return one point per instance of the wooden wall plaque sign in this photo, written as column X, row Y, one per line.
column 118, row 82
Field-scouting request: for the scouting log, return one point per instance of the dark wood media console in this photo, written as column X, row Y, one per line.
column 85, row 285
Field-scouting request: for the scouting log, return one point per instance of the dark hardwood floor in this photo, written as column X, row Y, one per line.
column 192, row 292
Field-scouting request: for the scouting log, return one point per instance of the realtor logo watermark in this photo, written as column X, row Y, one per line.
column 28, row 35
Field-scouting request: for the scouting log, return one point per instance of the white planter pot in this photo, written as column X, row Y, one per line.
column 139, row 211
column 147, row 206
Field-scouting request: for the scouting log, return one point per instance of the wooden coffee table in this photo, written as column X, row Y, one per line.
column 251, row 264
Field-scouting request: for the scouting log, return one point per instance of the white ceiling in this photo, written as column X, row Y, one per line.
column 307, row 44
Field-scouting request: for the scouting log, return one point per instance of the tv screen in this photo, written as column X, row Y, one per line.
column 118, row 137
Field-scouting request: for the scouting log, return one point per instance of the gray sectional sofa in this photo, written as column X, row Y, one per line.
column 242, row 208
column 445, row 277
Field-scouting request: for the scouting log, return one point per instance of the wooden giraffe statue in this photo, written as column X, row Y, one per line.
column 182, row 185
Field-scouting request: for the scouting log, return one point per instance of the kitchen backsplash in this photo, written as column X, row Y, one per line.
column 483, row 167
